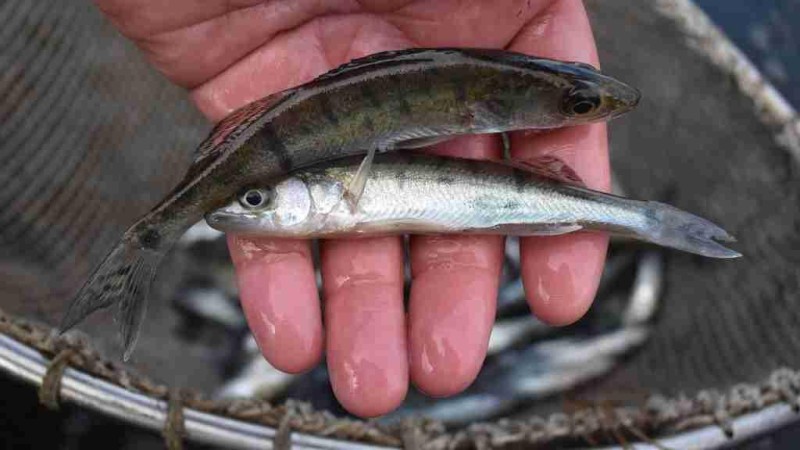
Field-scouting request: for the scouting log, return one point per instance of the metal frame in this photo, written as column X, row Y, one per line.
column 743, row 427
column 28, row 364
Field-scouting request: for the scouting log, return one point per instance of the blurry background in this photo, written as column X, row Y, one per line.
column 767, row 33
column 90, row 137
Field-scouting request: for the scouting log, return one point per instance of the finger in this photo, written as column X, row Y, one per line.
column 323, row 43
column 365, row 323
column 191, row 41
column 279, row 296
column 363, row 281
column 139, row 18
column 196, row 52
column 561, row 273
column 453, row 295
column 454, row 23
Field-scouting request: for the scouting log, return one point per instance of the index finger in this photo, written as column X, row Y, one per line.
column 561, row 273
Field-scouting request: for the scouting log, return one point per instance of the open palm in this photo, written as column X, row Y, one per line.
column 231, row 52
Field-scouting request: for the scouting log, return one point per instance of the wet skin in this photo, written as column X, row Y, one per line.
column 230, row 53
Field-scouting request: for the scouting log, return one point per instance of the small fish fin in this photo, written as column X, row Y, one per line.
column 122, row 278
column 414, row 143
column 549, row 166
column 672, row 227
column 132, row 308
column 355, row 188
column 550, row 230
column 236, row 123
column 529, row 229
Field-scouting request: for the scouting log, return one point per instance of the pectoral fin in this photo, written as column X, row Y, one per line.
column 355, row 189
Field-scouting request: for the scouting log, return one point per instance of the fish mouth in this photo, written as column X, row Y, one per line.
column 228, row 222
column 216, row 220
column 622, row 98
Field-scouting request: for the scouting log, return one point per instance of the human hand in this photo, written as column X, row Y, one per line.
column 229, row 53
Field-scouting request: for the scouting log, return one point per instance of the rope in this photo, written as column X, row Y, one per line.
column 658, row 416
column 283, row 435
column 411, row 436
column 51, row 383
column 174, row 429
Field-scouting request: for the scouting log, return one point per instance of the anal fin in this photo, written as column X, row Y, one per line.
column 554, row 229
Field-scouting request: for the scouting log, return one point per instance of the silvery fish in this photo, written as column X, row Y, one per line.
column 415, row 193
column 390, row 100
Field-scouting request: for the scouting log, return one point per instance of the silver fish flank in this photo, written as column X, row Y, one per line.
column 415, row 193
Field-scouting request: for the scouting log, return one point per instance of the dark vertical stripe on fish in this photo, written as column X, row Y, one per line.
column 273, row 144
column 440, row 163
column 401, row 177
column 459, row 89
column 445, row 179
column 521, row 179
column 368, row 125
column 327, row 108
column 403, row 106
column 369, row 94
column 474, row 167
column 426, row 84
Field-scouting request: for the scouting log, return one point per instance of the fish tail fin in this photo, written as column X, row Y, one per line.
column 123, row 278
column 672, row 227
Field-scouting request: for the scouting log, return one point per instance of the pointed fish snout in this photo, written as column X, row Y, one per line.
column 624, row 97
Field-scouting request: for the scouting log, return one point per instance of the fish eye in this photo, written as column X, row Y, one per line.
column 254, row 198
column 580, row 102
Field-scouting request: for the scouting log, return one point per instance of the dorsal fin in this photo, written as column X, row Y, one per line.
column 229, row 128
column 386, row 58
column 549, row 166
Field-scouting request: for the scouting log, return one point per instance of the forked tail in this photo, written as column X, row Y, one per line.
column 124, row 279
column 671, row 227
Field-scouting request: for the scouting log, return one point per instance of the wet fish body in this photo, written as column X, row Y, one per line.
column 384, row 101
column 416, row 193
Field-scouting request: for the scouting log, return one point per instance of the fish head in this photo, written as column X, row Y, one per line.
column 590, row 96
column 521, row 90
column 281, row 209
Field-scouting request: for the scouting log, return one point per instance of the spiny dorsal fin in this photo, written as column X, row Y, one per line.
column 375, row 60
column 232, row 126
